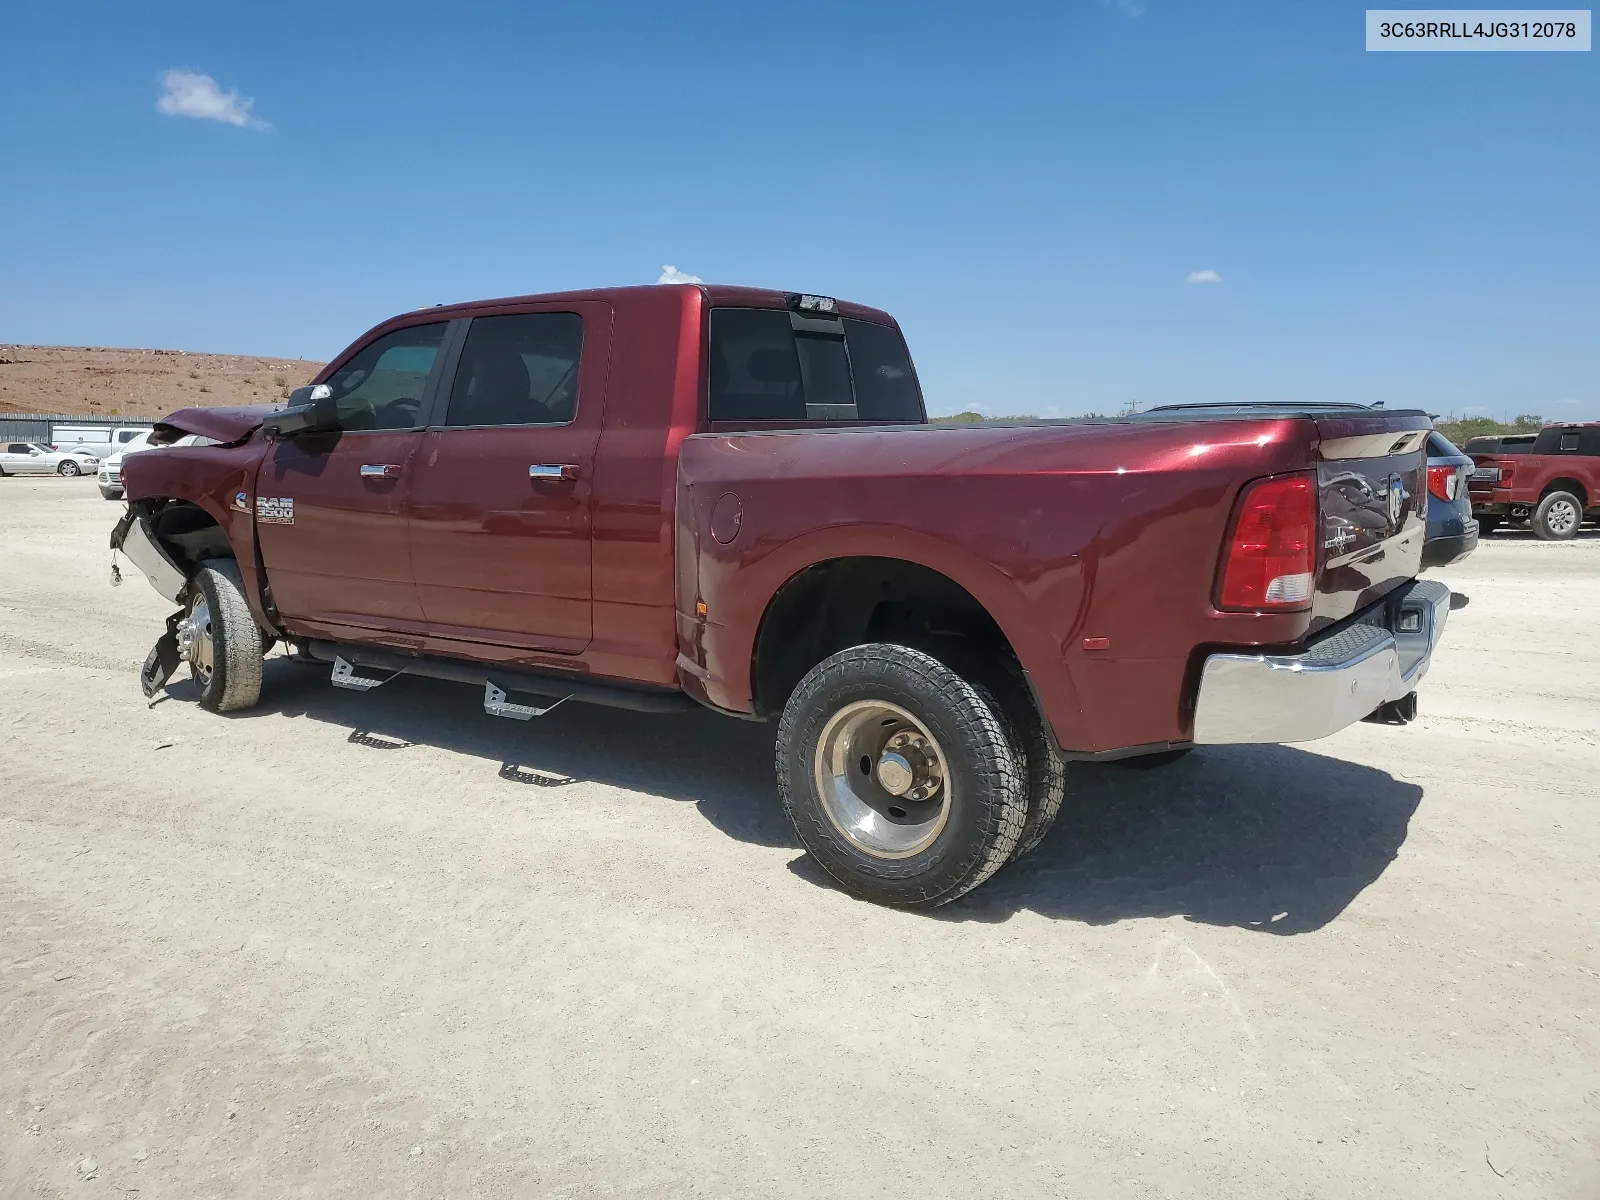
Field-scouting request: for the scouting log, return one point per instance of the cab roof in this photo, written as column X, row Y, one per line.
column 717, row 295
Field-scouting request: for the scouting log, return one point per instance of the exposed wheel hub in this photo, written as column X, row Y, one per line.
column 195, row 640
column 909, row 766
column 882, row 779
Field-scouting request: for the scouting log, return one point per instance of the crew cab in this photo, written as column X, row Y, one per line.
column 1553, row 484
column 684, row 495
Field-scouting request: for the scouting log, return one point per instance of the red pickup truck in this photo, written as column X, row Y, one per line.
column 677, row 495
column 1552, row 484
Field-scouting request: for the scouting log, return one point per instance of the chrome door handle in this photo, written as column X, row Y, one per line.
column 380, row 471
column 553, row 471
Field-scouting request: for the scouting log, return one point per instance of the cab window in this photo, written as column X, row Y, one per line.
column 771, row 365
column 518, row 369
column 381, row 387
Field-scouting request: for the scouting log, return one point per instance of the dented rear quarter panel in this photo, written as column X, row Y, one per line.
column 1065, row 532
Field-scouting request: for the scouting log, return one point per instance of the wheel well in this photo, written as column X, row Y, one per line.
column 1567, row 485
column 850, row 601
column 189, row 534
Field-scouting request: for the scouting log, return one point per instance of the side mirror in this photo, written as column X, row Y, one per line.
column 310, row 409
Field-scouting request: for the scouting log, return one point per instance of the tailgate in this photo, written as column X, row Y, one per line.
column 1372, row 484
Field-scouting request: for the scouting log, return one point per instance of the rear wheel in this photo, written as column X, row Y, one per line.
column 220, row 640
column 899, row 777
column 68, row 468
column 1487, row 525
column 1558, row 516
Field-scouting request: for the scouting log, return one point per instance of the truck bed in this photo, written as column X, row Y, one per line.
column 1104, row 535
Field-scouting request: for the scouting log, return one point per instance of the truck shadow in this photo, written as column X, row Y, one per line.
column 1269, row 838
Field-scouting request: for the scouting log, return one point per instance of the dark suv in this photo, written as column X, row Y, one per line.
column 1452, row 531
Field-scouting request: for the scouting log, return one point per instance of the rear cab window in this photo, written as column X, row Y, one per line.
column 773, row 366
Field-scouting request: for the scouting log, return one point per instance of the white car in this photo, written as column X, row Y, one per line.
column 30, row 458
column 110, row 478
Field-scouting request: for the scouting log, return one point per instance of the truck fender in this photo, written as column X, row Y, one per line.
column 234, row 517
column 738, row 596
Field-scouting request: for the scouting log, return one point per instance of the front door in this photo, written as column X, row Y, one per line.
column 22, row 458
column 331, row 507
column 502, row 493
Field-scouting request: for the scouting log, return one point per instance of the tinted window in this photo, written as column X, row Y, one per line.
column 518, row 370
column 755, row 368
column 18, row 448
column 381, row 387
column 1569, row 441
column 763, row 368
column 886, row 384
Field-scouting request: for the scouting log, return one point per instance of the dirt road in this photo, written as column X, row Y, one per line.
column 385, row 945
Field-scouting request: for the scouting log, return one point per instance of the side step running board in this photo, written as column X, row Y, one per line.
column 548, row 688
column 344, row 675
column 496, row 705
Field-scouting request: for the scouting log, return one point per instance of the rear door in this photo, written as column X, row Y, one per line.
column 331, row 507
column 502, row 499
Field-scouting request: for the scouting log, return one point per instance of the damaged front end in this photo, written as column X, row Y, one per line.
column 166, row 541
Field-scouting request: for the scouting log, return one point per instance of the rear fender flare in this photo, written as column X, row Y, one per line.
column 742, row 606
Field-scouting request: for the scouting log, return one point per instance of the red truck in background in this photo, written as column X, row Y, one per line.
column 1552, row 484
column 691, row 495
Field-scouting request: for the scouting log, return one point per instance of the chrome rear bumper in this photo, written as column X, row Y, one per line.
column 1334, row 682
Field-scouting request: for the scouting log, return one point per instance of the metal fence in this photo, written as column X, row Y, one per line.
column 41, row 427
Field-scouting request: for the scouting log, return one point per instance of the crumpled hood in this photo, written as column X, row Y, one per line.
column 223, row 424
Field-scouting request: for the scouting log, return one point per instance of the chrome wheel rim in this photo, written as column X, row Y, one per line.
column 883, row 779
column 1561, row 516
column 69, row 469
column 195, row 641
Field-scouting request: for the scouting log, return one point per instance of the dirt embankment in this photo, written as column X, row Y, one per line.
column 107, row 382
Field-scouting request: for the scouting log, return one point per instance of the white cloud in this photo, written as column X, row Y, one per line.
column 189, row 94
column 1207, row 276
column 671, row 274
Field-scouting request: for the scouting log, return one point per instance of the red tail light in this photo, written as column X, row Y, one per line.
column 1443, row 481
column 1271, row 558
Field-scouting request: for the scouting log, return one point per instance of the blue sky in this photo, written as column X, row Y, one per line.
column 1027, row 187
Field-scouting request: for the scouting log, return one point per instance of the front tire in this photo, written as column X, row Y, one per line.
column 220, row 640
column 1558, row 516
column 899, row 777
column 110, row 494
column 68, row 469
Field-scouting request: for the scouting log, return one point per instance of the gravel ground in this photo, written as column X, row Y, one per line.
column 385, row 945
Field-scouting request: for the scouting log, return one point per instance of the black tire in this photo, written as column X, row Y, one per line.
column 110, row 494
column 1558, row 517
column 238, row 644
column 1149, row 762
column 1487, row 525
column 983, row 796
column 68, row 469
column 1042, row 765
